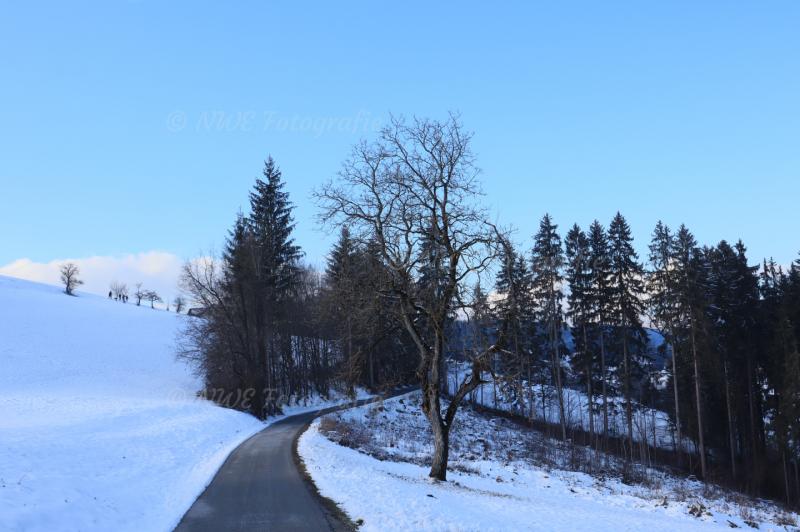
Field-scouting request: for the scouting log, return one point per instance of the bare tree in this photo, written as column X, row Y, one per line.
column 139, row 294
column 69, row 276
column 178, row 303
column 418, row 183
column 119, row 290
column 153, row 297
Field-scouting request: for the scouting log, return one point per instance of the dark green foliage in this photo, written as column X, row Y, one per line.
column 360, row 316
column 579, row 276
column 627, row 309
column 547, row 266
column 516, row 324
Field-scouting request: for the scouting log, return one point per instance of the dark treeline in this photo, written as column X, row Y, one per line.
column 275, row 330
column 401, row 293
column 729, row 355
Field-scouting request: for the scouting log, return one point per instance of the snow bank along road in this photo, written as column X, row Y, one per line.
column 499, row 482
column 260, row 488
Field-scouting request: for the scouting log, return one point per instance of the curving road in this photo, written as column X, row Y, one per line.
column 259, row 487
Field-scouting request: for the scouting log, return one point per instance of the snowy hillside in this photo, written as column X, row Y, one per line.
column 99, row 426
column 373, row 461
column 649, row 425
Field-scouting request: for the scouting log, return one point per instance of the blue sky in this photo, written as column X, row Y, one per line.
column 131, row 127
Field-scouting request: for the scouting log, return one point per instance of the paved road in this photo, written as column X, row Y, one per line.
column 259, row 488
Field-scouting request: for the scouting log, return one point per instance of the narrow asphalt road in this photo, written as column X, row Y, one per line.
column 259, row 487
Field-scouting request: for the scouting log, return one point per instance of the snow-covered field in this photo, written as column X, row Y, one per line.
column 100, row 428
column 502, row 478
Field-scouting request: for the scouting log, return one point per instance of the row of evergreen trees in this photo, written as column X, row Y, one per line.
column 730, row 331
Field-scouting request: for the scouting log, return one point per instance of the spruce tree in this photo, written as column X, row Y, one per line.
column 663, row 305
column 733, row 304
column 627, row 288
column 272, row 225
column 547, row 264
column 600, row 305
column 788, row 417
column 579, row 278
column 515, row 316
column 277, row 259
column 234, row 356
column 480, row 319
column 433, row 265
column 342, row 282
column 691, row 271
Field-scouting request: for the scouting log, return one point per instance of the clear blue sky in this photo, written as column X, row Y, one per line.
column 111, row 141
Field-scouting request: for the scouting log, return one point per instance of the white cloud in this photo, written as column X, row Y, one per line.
column 157, row 270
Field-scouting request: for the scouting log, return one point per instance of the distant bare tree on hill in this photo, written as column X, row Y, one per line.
column 69, row 276
column 139, row 294
column 153, row 297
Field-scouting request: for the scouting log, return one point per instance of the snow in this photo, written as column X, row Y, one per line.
column 100, row 426
column 649, row 425
column 496, row 480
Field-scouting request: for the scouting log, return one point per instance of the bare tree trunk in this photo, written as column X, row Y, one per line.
column 698, row 402
column 655, row 436
column 628, row 406
column 371, row 355
column 731, row 441
column 531, row 395
column 544, row 395
column 440, row 454
column 589, row 384
column 679, row 444
column 441, row 437
column 753, row 427
column 605, row 391
column 786, row 478
column 559, row 390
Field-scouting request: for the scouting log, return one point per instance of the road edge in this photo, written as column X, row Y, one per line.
column 333, row 512
column 336, row 516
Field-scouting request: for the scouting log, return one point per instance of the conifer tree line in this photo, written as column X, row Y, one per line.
column 730, row 335
column 419, row 280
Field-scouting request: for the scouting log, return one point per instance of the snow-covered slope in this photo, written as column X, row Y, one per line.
column 372, row 461
column 649, row 425
column 99, row 425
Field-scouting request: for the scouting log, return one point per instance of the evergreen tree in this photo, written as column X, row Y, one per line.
column 787, row 418
column 515, row 316
column 663, row 303
column 343, row 304
column 774, row 372
column 600, row 305
column 433, row 266
column 579, row 278
column 480, row 319
column 547, row 264
column 234, row 359
column 733, row 303
column 272, row 224
column 691, row 273
column 277, row 273
column 627, row 288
